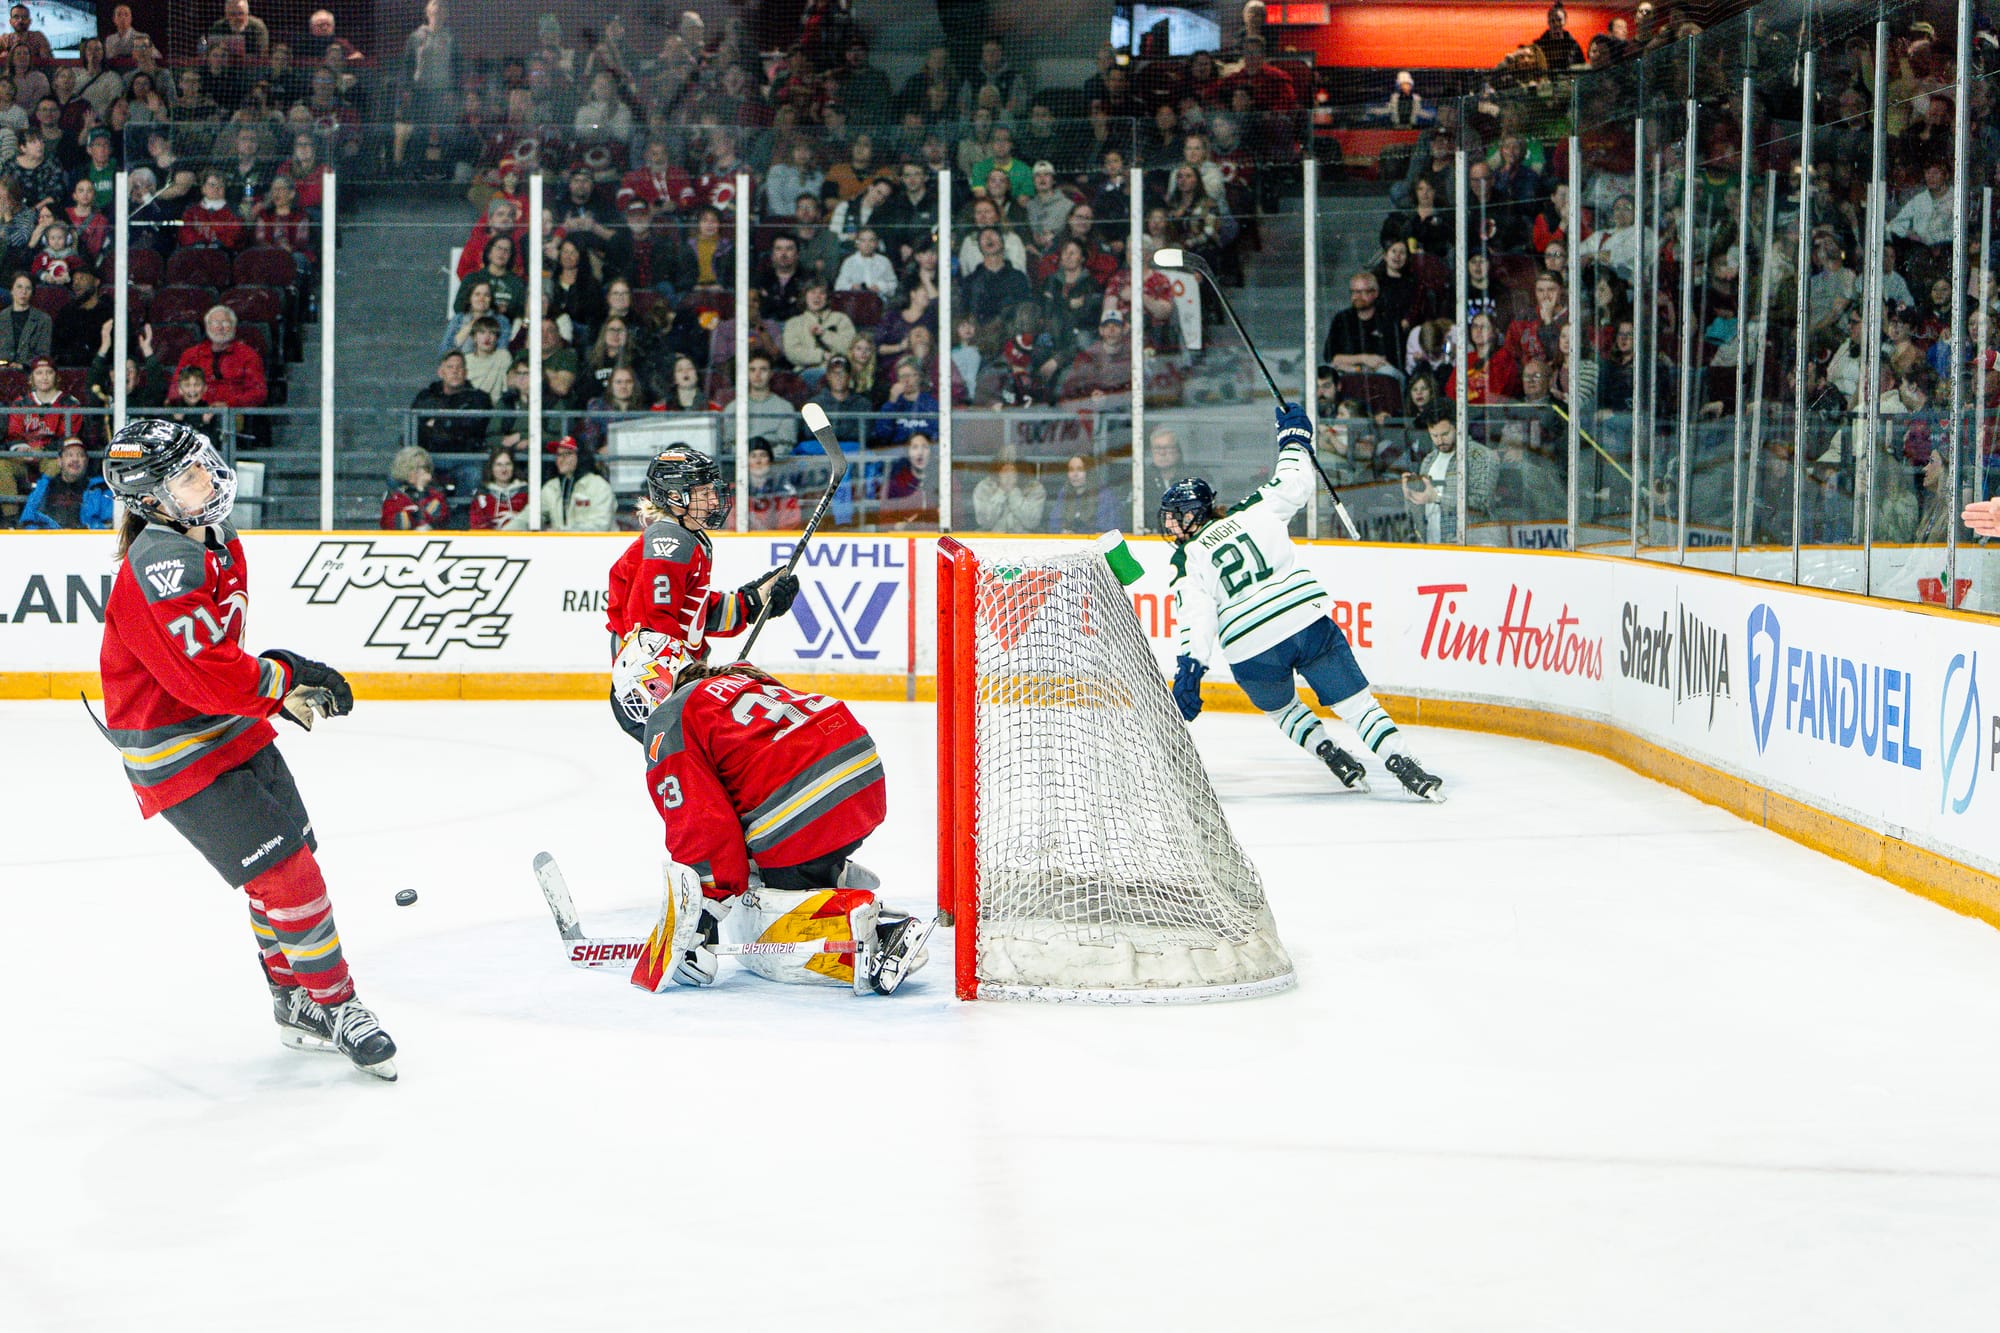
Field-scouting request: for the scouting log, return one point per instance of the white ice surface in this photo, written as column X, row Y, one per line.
column 1571, row 1052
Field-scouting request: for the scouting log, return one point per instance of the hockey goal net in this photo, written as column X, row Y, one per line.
column 1082, row 854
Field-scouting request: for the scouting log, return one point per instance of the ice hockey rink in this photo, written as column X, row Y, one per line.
column 1573, row 1051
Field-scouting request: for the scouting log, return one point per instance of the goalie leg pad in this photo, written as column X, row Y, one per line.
column 804, row 916
column 681, row 948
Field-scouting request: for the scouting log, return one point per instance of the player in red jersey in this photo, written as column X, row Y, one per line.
column 190, row 710
column 660, row 583
column 766, row 793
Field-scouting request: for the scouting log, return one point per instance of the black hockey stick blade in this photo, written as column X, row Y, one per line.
column 822, row 429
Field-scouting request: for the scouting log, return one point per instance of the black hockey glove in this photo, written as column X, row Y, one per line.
column 1187, row 686
column 783, row 590
column 318, row 676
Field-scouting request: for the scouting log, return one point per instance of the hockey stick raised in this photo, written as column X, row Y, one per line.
column 1193, row 263
column 816, row 421
column 594, row 953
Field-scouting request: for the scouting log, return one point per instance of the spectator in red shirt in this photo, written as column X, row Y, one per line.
column 502, row 502
column 1270, row 88
column 305, row 171
column 414, row 502
column 502, row 219
column 210, row 221
column 42, row 429
column 234, row 370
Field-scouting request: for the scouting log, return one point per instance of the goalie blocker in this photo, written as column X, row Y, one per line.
column 765, row 793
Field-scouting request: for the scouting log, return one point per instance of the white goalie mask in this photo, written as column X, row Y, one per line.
column 643, row 676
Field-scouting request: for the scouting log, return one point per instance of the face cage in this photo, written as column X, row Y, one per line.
column 1189, row 529
column 651, row 688
column 220, row 475
column 725, row 496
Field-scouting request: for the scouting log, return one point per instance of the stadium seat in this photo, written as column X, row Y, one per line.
column 148, row 269
column 265, row 266
column 266, row 305
column 50, row 298
column 173, row 304
column 171, row 339
column 199, row 267
column 75, row 381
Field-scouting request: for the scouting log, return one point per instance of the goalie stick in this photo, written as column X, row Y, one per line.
column 593, row 953
column 816, row 421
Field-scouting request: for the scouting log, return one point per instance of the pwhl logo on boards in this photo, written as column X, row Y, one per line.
column 1958, row 735
column 1838, row 701
column 1682, row 655
column 843, row 627
column 437, row 599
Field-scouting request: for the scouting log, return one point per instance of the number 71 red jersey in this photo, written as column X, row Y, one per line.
column 741, row 768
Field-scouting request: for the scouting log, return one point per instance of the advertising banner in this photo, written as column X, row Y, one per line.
column 1882, row 715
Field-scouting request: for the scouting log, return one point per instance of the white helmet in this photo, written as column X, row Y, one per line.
column 643, row 676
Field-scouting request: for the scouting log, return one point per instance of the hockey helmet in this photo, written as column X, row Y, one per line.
column 672, row 479
column 1192, row 500
column 643, row 676
column 151, row 464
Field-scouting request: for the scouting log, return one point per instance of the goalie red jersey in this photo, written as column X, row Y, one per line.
column 661, row 583
column 740, row 767
column 183, row 700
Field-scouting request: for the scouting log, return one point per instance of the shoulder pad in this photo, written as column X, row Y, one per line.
column 168, row 564
column 669, row 541
column 1249, row 500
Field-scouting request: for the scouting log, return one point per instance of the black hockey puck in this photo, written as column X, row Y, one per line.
column 404, row 897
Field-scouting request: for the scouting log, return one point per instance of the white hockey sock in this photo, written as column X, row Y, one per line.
column 1378, row 732
column 1298, row 724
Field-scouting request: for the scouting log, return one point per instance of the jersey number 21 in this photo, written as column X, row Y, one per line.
column 1229, row 564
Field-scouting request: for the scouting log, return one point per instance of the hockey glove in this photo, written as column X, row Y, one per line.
column 1294, row 428
column 308, row 674
column 784, row 587
column 1187, row 686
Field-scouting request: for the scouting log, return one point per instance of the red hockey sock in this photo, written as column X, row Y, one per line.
column 293, row 899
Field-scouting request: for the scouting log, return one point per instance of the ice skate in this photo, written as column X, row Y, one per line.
column 1345, row 766
column 302, row 1024
column 899, row 952
column 361, row 1039
column 1417, row 782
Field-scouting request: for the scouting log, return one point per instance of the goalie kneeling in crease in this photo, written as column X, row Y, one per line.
column 766, row 792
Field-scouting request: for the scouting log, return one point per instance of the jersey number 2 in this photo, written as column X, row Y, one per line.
column 1229, row 563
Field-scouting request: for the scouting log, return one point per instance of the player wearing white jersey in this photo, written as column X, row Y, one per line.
column 1237, row 582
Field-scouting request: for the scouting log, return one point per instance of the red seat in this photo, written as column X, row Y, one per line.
column 643, row 301
column 1375, row 393
column 199, row 267
column 259, row 337
column 170, row 340
column 50, row 298
column 863, row 307
column 148, row 269
column 265, row 266
column 263, row 304
column 176, row 303
column 75, row 381
column 13, row 385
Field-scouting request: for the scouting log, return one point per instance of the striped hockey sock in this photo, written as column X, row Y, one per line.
column 275, row 966
column 292, row 897
column 1366, row 716
column 1298, row 724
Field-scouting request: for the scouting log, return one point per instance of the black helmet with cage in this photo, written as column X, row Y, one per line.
column 672, row 479
column 1191, row 501
column 151, row 466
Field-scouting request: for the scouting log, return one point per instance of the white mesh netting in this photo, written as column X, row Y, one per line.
column 1106, row 868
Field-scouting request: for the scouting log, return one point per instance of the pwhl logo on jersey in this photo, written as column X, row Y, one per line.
column 1958, row 735
column 1681, row 655
column 1838, row 701
column 436, row 599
